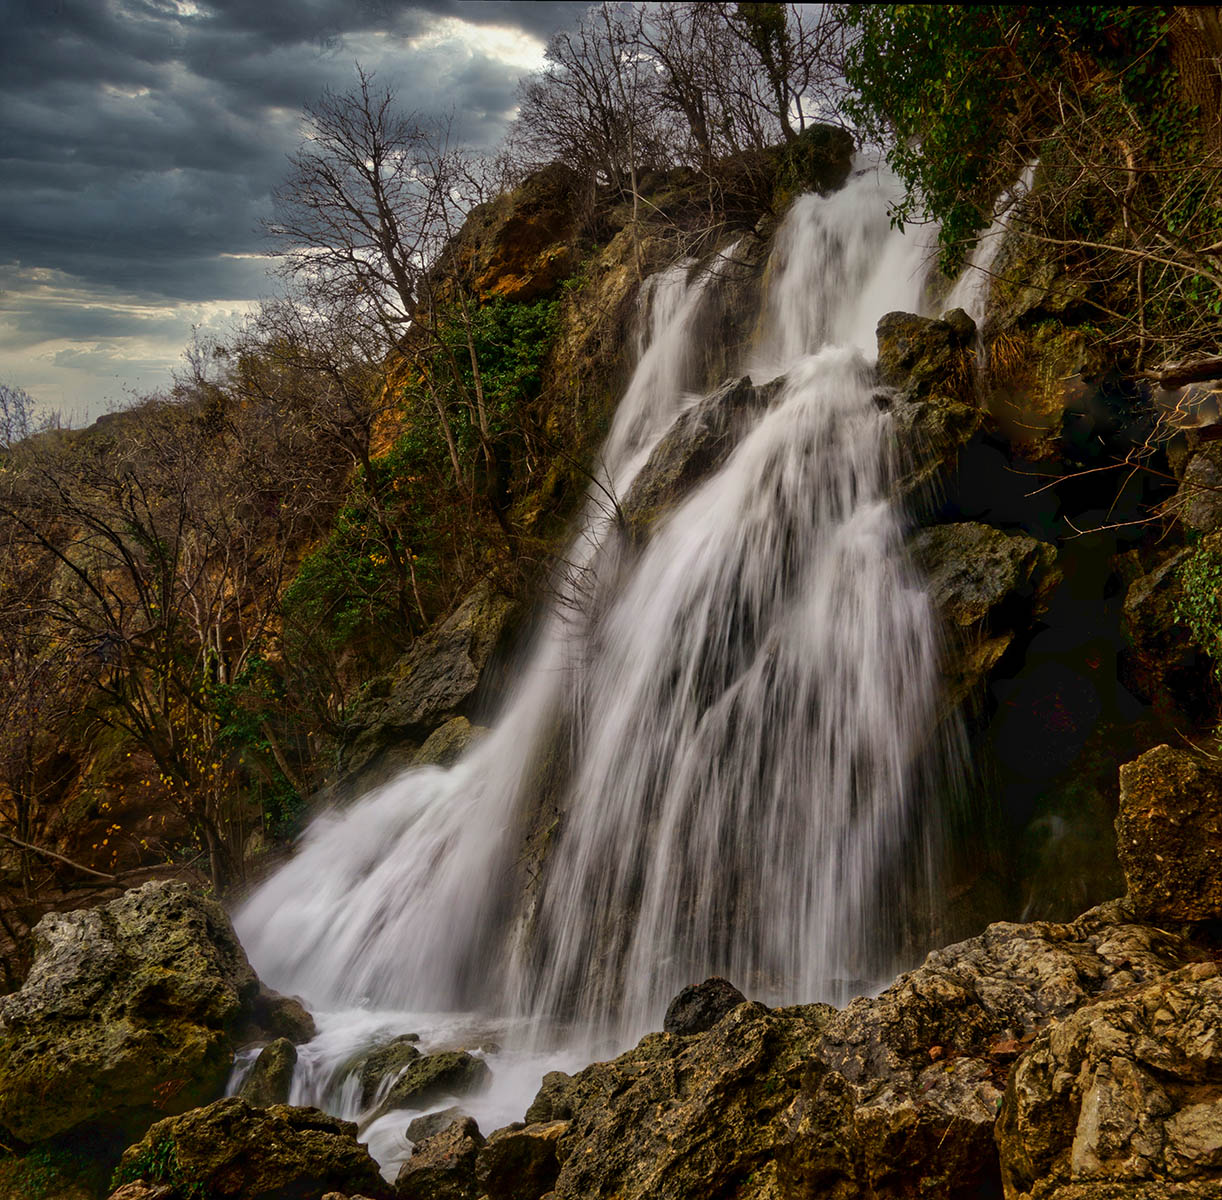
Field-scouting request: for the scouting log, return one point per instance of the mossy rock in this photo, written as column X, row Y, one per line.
column 431, row 1077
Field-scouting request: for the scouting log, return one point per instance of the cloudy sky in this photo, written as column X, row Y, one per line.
column 140, row 142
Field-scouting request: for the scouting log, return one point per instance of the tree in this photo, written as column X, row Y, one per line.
column 1129, row 171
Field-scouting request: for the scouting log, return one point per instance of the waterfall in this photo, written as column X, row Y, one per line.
column 745, row 705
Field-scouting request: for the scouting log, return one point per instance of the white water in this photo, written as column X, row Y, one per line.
column 745, row 706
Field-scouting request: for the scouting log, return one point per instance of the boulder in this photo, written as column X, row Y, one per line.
column 386, row 1060
column 271, row 1078
column 277, row 1016
column 429, row 685
column 129, row 1012
column 432, row 1123
column 431, row 1077
column 442, row 1167
column 701, row 1006
column 1121, row 1098
column 694, row 447
column 900, row 1095
column 519, row 1162
column 928, row 370
column 988, row 585
column 232, row 1149
column 682, row 1117
column 447, row 743
column 1169, row 835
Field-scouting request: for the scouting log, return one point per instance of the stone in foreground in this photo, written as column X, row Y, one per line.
column 231, row 1150
column 130, row 1012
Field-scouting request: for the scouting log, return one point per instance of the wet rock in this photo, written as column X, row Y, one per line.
column 701, row 1006
column 431, row 1123
column 902, row 1091
column 695, row 446
column 684, row 1117
column 987, row 585
column 519, row 1162
column 231, row 1149
column 129, row 1012
column 446, row 744
column 271, row 1078
column 1169, row 835
column 386, row 1060
column 1121, row 1098
column 928, row 367
column 430, row 684
column 278, row 1016
column 442, row 1167
column 430, row 1077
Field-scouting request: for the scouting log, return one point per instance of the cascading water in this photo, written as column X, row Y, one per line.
column 746, row 704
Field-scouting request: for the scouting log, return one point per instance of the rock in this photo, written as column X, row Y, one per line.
column 928, row 366
column 1164, row 666
column 684, row 1117
column 432, row 1123
column 905, row 1087
column 447, row 743
column 271, row 1078
column 519, row 1162
column 1121, row 1098
column 519, row 246
column 278, row 1016
column 819, row 159
column 232, row 1149
column 129, row 1012
column 695, row 446
column 1199, row 496
column 430, row 684
column 443, row 1166
column 386, row 1060
column 987, row 585
column 701, row 1006
column 1169, row 835
column 430, row 1077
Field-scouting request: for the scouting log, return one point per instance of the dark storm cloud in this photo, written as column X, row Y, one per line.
column 140, row 140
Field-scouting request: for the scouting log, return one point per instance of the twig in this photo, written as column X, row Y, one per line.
column 57, row 857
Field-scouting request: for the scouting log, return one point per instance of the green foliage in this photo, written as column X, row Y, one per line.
column 962, row 96
column 244, row 710
column 1200, row 604
column 158, row 1163
column 49, row 1170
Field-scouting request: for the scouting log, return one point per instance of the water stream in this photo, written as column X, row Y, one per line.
column 745, row 707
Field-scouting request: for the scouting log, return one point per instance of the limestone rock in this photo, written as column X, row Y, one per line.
column 906, row 1086
column 447, row 743
column 231, row 1149
column 1121, row 1098
column 442, row 1167
column 683, row 1117
column 1169, row 835
column 431, row 683
column 278, row 1016
column 129, row 1011
column 389, row 1059
column 430, row 1077
column 929, row 368
column 987, row 584
column 271, row 1077
column 519, row 1162
column 701, row 1006
column 695, row 446
column 432, row 1123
